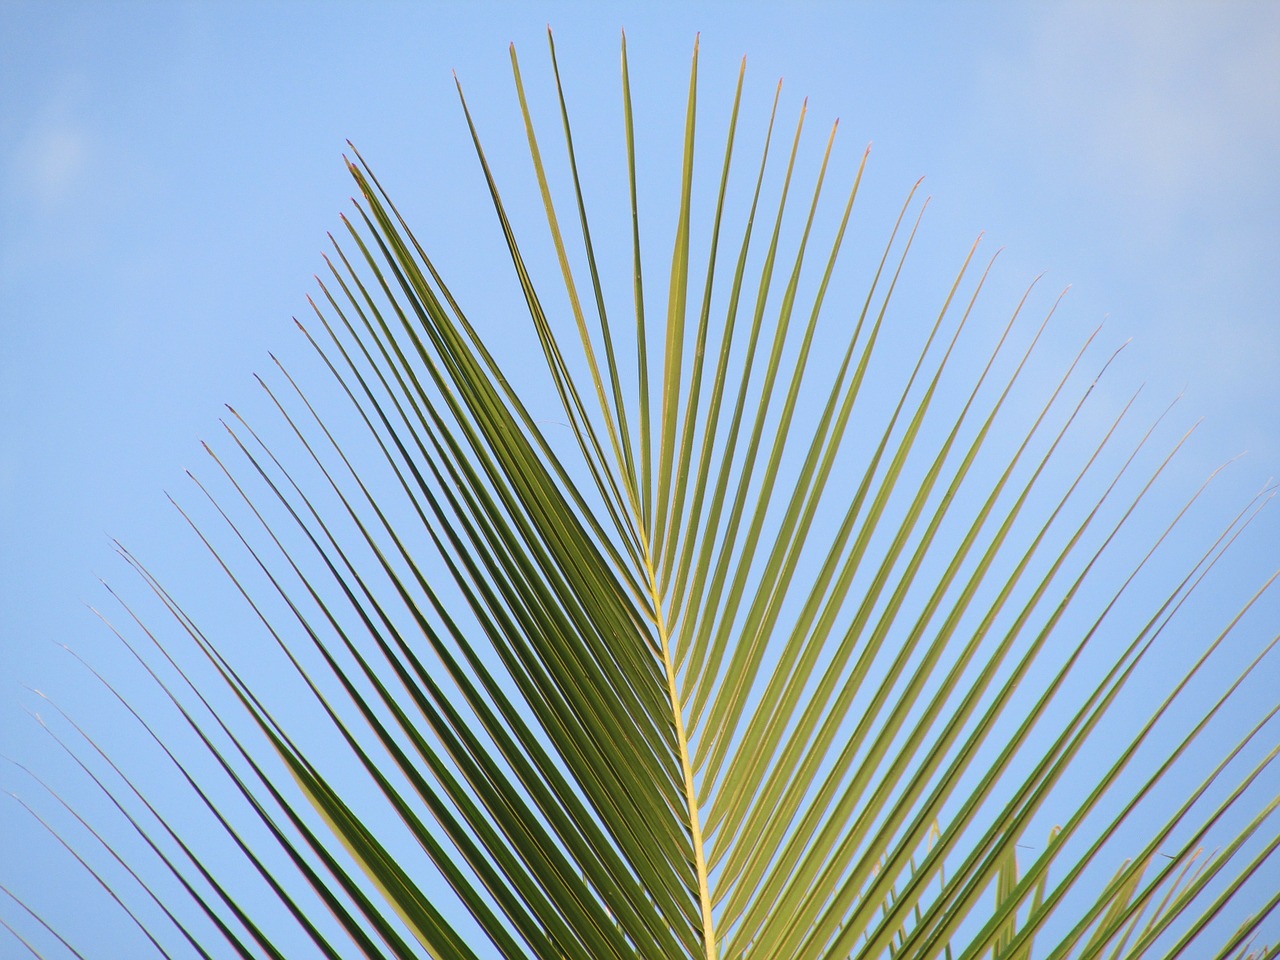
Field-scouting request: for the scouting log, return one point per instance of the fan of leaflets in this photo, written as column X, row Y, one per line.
column 730, row 674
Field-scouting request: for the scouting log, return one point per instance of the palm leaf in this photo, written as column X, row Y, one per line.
column 788, row 654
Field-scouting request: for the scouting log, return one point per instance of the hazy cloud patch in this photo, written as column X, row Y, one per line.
column 56, row 176
column 1170, row 105
column 1149, row 135
column 51, row 162
column 52, row 153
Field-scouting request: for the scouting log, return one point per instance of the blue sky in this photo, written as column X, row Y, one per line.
column 170, row 172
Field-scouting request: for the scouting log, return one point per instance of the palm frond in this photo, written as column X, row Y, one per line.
column 821, row 618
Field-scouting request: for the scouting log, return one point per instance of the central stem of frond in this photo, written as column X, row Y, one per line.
column 686, row 764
